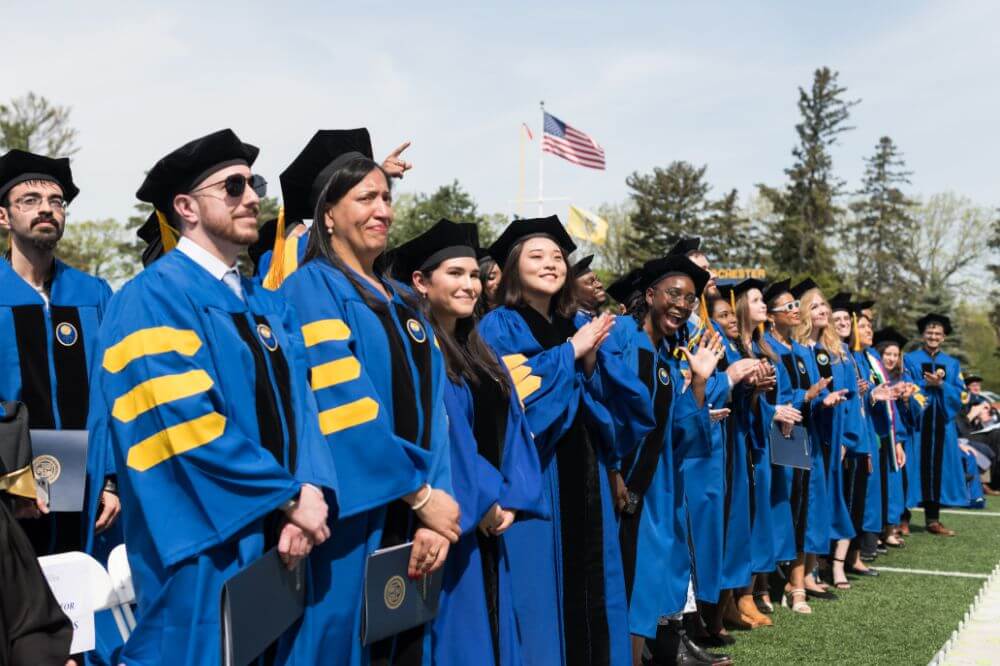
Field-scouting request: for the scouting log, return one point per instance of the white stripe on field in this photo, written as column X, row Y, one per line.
column 965, row 512
column 930, row 572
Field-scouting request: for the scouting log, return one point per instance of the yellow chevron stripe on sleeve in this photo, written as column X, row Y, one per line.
column 514, row 360
column 527, row 386
column 175, row 440
column 325, row 330
column 347, row 416
column 520, row 372
column 159, row 391
column 335, row 372
column 149, row 341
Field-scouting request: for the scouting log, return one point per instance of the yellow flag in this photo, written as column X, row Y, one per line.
column 585, row 225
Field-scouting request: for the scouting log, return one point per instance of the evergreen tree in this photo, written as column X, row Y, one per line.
column 669, row 203
column 879, row 238
column 34, row 124
column 807, row 215
column 732, row 239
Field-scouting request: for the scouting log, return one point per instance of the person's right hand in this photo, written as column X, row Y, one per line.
column 862, row 386
column 441, row 514
column 787, row 414
column 310, row 513
column 590, row 336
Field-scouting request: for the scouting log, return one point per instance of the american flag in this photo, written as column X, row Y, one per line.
column 571, row 144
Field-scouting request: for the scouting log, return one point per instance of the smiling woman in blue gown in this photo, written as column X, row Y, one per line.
column 586, row 410
column 495, row 469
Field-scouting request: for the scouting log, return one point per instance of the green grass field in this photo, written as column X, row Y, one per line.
column 897, row 618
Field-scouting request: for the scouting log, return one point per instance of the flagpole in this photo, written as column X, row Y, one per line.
column 541, row 181
column 520, row 177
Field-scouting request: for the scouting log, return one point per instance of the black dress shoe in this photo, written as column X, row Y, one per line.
column 869, row 557
column 873, row 573
column 699, row 653
column 881, row 549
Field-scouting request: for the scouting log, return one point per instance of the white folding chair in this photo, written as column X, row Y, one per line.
column 121, row 581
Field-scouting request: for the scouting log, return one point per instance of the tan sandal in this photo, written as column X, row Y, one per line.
column 802, row 607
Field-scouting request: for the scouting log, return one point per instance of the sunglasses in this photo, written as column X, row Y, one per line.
column 787, row 307
column 236, row 185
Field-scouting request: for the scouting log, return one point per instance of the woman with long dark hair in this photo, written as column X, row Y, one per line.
column 736, row 573
column 907, row 409
column 496, row 474
column 752, row 605
column 378, row 380
column 586, row 411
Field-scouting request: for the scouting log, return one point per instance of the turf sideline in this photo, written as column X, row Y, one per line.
column 931, row 572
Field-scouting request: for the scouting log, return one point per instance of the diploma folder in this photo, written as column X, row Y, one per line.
column 393, row 602
column 790, row 451
column 258, row 605
column 59, row 463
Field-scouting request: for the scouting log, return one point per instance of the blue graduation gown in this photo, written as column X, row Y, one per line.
column 909, row 412
column 890, row 478
column 378, row 378
column 736, row 568
column 764, row 521
column 704, row 470
column 493, row 461
column 45, row 363
column 804, row 492
column 47, row 360
column 211, row 434
column 569, row 588
column 839, row 430
column 654, row 539
column 942, row 477
column 874, row 425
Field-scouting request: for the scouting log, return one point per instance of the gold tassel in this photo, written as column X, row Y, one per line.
column 703, row 311
column 168, row 236
column 276, row 273
column 854, row 329
column 732, row 300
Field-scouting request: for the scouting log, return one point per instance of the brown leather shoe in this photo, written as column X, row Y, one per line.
column 748, row 610
column 939, row 529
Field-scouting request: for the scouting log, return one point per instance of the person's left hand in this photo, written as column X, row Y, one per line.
column 293, row 545
column 743, row 369
column 428, row 553
column 717, row 415
column 966, row 449
column 900, row 455
column 835, row 398
column 111, row 506
column 394, row 165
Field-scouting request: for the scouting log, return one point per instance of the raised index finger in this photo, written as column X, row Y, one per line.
column 399, row 150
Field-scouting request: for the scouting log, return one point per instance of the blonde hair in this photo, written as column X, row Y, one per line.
column 750, row 332
column 828, row 338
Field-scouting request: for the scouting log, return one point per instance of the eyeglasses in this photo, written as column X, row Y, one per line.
column 236, row 185
column 787, row 307
column 675, row 295
column 33, row 201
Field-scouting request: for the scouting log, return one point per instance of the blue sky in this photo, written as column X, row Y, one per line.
column 711, row 83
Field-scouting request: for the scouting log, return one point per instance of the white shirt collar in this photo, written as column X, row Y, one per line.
column 199, row 255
